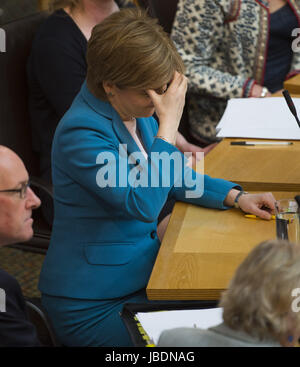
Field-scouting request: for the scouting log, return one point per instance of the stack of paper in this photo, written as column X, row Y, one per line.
column 155, row 322
column 260, row 118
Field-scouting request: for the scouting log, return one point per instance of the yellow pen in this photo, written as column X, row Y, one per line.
column 252, row 216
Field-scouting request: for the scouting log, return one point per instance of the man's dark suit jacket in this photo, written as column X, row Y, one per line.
column 15, row 328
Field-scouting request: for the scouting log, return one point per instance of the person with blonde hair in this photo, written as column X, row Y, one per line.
column 111, row 181
column 56, row 69
column 257, row 306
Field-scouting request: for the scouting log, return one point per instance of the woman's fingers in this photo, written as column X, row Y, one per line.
column 261, row 205
column 179, row 81
column 152, row 94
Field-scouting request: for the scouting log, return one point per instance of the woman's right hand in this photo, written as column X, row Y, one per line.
column 169, row 107
column 257, row 91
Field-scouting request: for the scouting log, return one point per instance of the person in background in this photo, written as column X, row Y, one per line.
column 57, row 68
column 233, row 49
column 17, row 201
column 258, row 308
column 105, row 232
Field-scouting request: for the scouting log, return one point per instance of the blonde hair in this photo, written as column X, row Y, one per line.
column 259, row 298
column 59, row 4
column 130, row 50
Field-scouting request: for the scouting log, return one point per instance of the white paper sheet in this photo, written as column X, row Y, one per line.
column 155, row 322
column 261, row 118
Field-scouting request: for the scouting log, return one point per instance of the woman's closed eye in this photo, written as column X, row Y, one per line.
column 161, row 90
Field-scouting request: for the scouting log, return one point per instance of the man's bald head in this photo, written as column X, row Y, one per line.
column 15, row 209
column 10, row 164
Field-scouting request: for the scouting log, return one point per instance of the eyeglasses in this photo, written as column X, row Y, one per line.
column 22, row 191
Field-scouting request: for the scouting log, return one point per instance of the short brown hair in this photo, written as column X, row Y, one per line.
column 259, row 297
column 130, row 50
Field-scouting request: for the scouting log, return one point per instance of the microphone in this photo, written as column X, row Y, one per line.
column 291, row 105
column 297, row 198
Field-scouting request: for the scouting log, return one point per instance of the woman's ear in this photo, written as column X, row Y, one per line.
column 108, row 88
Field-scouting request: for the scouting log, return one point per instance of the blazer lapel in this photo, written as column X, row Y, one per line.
column 145, row 129
column 123, row 135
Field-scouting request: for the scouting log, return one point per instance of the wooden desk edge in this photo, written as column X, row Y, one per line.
column 184, row 294
column 155, row 289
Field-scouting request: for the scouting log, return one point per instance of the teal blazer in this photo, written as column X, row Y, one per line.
column 104, row 240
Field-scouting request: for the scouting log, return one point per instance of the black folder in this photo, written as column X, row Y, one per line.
column 135, row 329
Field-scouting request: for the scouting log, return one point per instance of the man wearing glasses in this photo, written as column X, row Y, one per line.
column 17, row 201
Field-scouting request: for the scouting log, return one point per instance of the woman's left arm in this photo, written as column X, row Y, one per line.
column 203, row 190
column 261, row 205
column 211, row 192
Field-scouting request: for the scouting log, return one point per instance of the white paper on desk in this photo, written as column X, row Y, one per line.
column 261, row 118
column 155, row 322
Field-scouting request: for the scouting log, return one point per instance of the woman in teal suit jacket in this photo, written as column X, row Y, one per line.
column 110, row 185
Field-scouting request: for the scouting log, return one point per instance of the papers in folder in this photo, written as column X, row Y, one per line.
column 260, row 118
column 155, row 322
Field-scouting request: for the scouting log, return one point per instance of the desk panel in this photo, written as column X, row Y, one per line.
column 202, row 249
column 293, row 84
column 261, row 168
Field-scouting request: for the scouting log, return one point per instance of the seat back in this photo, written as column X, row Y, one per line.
column 40, row 320
column 15, row 129
column 163, row 10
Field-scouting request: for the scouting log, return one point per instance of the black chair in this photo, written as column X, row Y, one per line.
column 15, row 129
column 40, row 320
column 163, row 10
column 136, row 331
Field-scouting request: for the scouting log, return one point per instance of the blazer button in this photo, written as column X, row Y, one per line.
column 153, row 234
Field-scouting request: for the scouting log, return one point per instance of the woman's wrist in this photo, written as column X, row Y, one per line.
column 164, row 138
column 168, row 136
column 259, row 91
column 232, row 194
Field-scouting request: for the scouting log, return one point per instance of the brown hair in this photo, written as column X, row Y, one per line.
column 130, row 50
column 58, row 4
column 259, row 298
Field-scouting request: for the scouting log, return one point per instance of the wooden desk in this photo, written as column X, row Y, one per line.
column 279, row 94
column 293, row 84
column 202, row 249
column 260, row 168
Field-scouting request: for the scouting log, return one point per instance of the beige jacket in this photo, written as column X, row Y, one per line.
column 223, row 44
column 218, row 336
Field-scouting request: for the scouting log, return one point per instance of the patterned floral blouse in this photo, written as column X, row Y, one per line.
column 224, row 46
